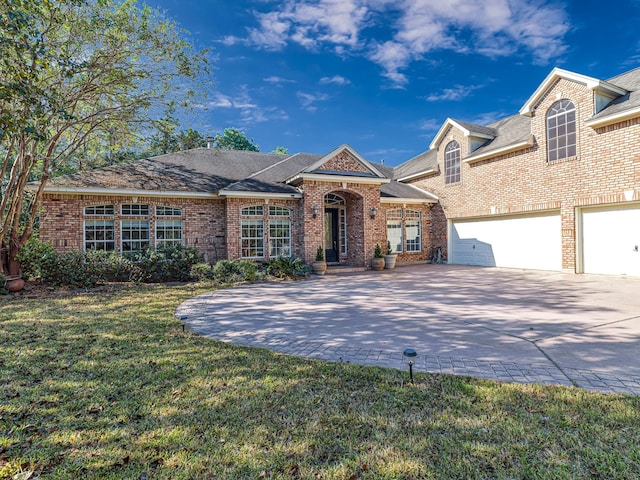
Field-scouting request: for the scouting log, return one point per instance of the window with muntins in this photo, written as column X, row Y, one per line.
column 561, row 130
column 168, row 233
column 99, row 235
column 279, row 238
column 99, row 210
column 404, row 230
column 162, row 211
column 452, row 162
column 134, row 210
column 252, row 232
column 134, row 236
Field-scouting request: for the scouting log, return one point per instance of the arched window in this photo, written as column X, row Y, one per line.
column 452, row 162
column 561, row 130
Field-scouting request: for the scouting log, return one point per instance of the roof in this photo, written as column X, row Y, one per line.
column 214, row 172
column 625, row 104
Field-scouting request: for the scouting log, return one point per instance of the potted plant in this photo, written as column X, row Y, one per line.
column 390, row 257
column 378, row 260
column 319, row 266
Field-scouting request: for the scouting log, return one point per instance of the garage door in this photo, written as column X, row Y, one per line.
column 532, row 242
column 611, row 239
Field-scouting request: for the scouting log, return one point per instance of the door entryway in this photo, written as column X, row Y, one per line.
column 331, row 234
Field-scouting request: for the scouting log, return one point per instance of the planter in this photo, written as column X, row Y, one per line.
column 14, row 283
column 319, row 268
column 390, row 261
column 377, row 263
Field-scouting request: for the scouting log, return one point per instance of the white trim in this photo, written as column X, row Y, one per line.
column 339, row 150
column 337, row 178
column 124, row 192
column 240, row 194
column 613, row 118
column 590, row 82
column 501, row 151
column 408, row 201
column 424, row 173
column 466, row 132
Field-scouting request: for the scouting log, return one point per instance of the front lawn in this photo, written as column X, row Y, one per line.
column 108, row 386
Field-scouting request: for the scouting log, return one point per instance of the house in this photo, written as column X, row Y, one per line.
column 239, row 204
column 554, row 187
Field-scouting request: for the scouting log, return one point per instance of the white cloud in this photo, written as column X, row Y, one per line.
column 492, row 28
column 336, row 79
column 308, row 100
column 430, row 125
column 250, row 112
column 457, row 93
column 278, row 80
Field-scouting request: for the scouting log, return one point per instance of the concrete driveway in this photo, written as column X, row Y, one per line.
column 510, row 325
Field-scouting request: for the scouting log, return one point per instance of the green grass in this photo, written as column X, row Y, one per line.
column 108, row 386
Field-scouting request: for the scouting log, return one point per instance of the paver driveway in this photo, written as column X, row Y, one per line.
column 513, row 325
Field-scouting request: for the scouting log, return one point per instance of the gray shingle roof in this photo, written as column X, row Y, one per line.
column 630, row 81
column 509, row 131
column 475, row 128
column 420, row 163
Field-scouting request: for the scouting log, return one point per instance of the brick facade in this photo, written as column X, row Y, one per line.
column 607, row 164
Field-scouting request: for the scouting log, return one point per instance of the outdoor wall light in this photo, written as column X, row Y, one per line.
column 315, row 211
column 374, row 210
column 410, row 354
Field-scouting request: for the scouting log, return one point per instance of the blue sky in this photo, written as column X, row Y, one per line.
column 383, row 75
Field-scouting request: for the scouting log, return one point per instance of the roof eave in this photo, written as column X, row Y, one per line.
column 422, row 173
column 337, row 178
column 127, row 192
column 408, row 200
column 590, row 82
column 501, row 151
column 465, row 131
column 246, row 194
column 614, row 118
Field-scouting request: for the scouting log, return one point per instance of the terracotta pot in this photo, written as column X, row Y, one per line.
column 377, row 263
column 15, row 284
column 319, row 268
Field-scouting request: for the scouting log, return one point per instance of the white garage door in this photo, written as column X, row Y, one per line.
column 611, row 240
column 532, row 242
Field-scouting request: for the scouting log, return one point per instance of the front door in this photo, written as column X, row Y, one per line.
column 331, row 237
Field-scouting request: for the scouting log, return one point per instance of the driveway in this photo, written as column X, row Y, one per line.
column 509, row 325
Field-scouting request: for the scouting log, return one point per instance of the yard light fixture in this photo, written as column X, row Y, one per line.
column 315, row 211
column 373, row 213
column 410, row 354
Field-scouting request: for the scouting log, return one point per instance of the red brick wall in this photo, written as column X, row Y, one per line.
column 607, row 163
column 344, row 162
column 203, row 221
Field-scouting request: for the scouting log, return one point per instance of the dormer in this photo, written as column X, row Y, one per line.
column 603, row 92
column 477, row 135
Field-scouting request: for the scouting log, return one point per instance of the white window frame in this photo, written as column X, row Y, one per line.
column 394, row 230
column 168, row 233
column 399, row 223
column 140, row 227
column 279, row 238
column 413, row 219
column 562, row 135
column 100, row 228
column 452, row 163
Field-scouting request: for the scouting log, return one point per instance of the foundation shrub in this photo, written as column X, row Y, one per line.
column 287, row 267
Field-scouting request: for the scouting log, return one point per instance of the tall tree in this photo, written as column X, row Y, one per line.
column 234, row 139
column 71, row 70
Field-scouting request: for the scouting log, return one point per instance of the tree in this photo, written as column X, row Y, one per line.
column 281, row 151
column 234, row 139
column 70, row 71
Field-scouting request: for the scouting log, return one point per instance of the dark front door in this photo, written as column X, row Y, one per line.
column 331, row 246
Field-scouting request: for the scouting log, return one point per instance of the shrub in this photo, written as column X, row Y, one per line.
column 36, row 257
column 233, row 271
column 202, row 271
column 287, row 267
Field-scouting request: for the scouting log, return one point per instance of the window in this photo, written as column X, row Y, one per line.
column 561, row 130
column 135, row 236
column 99, row 235
column 279, row 238
column 99, row 210
column 252, row 238
column 135, row 209
column 452, row 163
column 252, row 232
column 394, row 229
column 168, row 211
column 412, row 226
column 168, row 233
column 279, row 211
column 404, row 230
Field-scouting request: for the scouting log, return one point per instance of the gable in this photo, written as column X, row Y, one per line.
column 343, row 162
